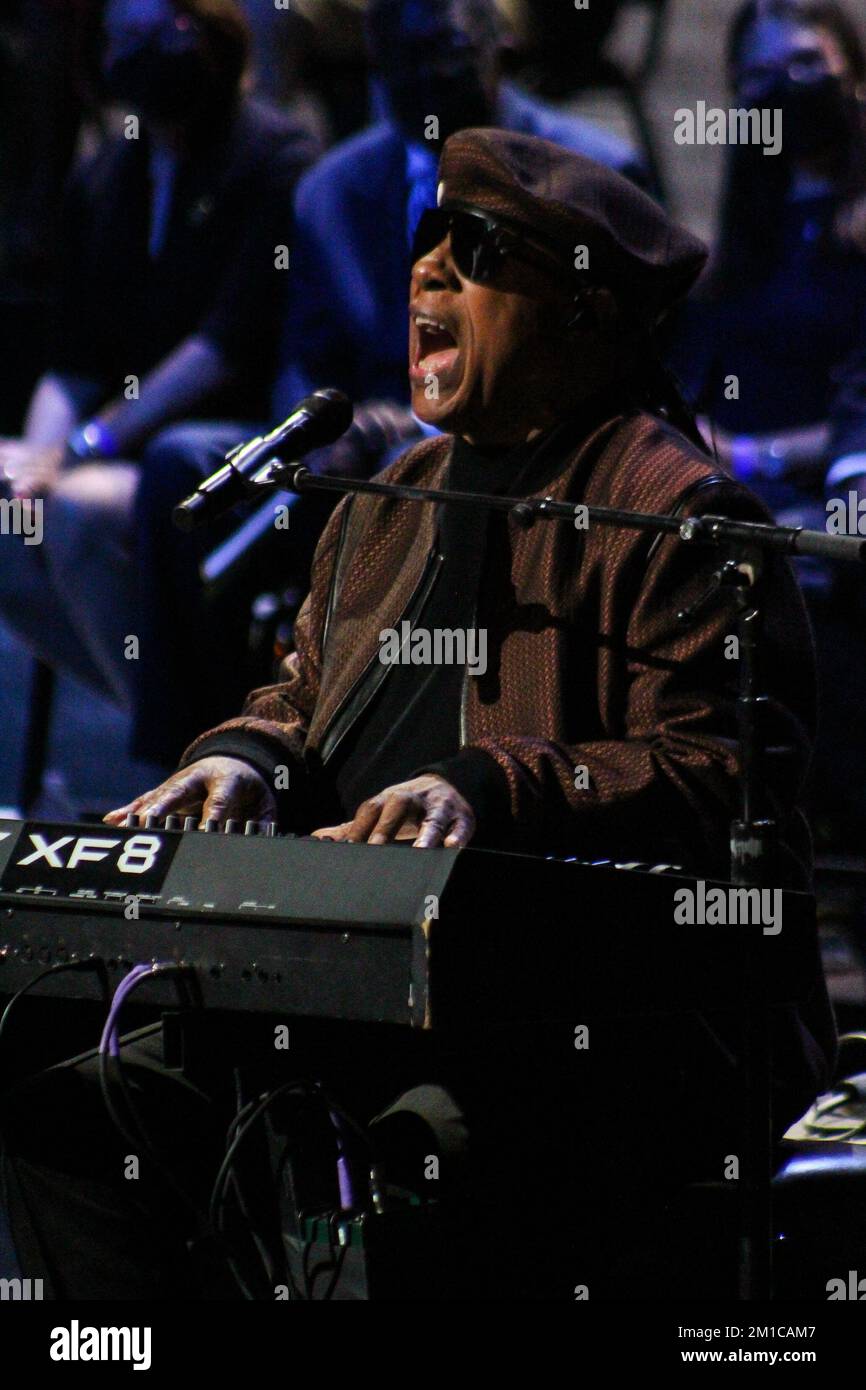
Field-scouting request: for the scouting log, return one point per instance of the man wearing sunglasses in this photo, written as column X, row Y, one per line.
column 535, row 289
column 599, row 723
column 602, row 724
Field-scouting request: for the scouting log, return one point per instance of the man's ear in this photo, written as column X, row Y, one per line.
column 594, row 309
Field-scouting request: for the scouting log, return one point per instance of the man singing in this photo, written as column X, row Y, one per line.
column 602, row 721
column 602, row 717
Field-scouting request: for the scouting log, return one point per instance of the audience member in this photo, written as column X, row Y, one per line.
column 772, row 348
column 168, row 306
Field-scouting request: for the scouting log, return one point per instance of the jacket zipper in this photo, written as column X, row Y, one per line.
column 464, row 689
column 332, row 589
column 345, row 715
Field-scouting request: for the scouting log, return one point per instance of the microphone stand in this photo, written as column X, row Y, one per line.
column 754, row 834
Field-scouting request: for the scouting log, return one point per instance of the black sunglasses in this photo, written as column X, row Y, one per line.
column 480, row 243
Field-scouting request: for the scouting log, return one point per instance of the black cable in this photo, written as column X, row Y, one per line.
column 266, row 1100
column 137, row 1137
column 262, row 1251
column 221, row 1197
column 239, row 1128
column 258, row 1240
column 306, row 1252
column 242, row 1125
column 334, row 1264
column 95, row 963
column 222, row 1243
column 335, row 1279
column 180, row 974
column 265, row 1255
column 279, row 1179
column 141, row 1139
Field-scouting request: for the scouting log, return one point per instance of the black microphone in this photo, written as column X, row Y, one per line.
column 317, row 421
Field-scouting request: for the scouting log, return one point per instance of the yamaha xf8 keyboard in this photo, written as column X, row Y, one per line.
column 425, row 938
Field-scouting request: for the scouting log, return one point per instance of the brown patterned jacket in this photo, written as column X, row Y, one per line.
column 588, row 663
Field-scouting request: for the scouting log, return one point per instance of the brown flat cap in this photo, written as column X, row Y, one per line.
column 569, row 200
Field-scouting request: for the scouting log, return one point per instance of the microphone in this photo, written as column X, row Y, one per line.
column 318, row 420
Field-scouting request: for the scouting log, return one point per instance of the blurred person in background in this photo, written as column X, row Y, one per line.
column 167, row 307
column 435, row 65
column 48, row 101
column 772, row 347
column 46, row 50
column 560, row 43
column 436, row 70
column 313, row 50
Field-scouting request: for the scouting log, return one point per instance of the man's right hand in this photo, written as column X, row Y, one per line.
column 213, row 789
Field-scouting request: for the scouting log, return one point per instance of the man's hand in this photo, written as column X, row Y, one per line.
column 213, row 789
column 426, row 810
column 30, row 470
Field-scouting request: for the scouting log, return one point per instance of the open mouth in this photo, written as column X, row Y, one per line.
column 436, row 348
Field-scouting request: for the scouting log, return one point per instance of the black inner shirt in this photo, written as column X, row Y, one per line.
column 414, row 717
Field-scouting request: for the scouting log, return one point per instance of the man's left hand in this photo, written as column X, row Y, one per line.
column 426, row 810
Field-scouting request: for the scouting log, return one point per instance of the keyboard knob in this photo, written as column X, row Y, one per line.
column 131, row 819
column 190, row 822
column 251, row 827
column 269, row 828
column 152, row 821
column 211, row 824
column 173, row 822
column 232, row 827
